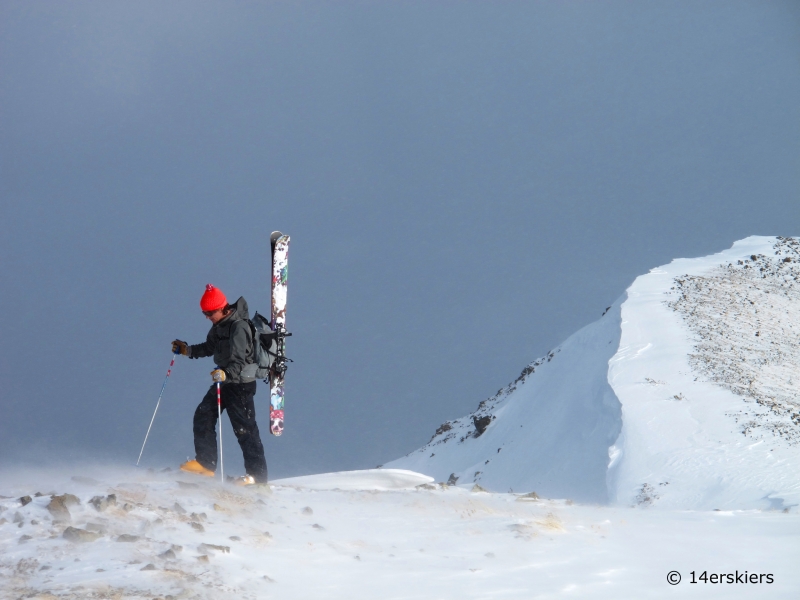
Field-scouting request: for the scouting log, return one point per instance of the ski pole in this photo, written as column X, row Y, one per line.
column 164, row 385
column 219, row 420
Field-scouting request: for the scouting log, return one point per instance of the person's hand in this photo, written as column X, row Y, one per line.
column 180, row 347
column 218, row 375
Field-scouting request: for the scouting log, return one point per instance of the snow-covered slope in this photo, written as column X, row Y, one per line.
column 362, row 535
column 549, row 431
column 682, row 395
column 705, row 374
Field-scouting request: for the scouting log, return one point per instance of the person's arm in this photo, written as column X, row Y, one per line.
column 201, row 350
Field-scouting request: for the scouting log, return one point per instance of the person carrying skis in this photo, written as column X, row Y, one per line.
column 230, row 342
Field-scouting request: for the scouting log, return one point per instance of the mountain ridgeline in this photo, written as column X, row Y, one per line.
column 682, row 395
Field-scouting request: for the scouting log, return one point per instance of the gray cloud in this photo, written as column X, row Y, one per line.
column 466, row 184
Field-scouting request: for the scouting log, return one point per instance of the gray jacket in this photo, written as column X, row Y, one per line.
column 230, row 342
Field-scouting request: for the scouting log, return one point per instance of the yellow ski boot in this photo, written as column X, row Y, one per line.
column 192, row 466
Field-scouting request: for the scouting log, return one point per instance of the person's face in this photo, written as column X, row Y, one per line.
column 214, row 315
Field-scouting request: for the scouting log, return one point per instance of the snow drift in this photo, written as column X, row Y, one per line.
column 682, row 395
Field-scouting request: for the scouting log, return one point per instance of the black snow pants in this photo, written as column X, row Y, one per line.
column 237, row 399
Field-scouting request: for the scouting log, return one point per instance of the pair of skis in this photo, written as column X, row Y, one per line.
column 280, row 277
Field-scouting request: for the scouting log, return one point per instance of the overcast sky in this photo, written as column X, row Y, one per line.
column 465, row 183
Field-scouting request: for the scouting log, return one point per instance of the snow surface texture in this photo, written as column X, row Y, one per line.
column 681, row 396
column 368, row 534
column 694, row 434
column 753, row 351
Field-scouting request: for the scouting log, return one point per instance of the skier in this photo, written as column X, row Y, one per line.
column 230, row 342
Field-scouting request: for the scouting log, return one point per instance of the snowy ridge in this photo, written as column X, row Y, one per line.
column 706, row 402
column 549, row 431
column 682, row 395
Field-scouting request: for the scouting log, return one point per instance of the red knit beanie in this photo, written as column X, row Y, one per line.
column 213, row 299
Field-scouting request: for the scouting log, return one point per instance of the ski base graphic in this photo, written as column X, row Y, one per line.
column 276, row 422
column 280, row 278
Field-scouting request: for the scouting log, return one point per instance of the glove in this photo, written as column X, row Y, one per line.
column 218, row 375
column 179, row 347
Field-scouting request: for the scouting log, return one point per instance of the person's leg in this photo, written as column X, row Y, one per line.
column 205, row 430
column 242, row 413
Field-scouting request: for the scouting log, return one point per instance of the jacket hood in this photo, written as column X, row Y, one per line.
column 241, row 309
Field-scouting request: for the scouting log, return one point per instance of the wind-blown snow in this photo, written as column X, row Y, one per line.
column 682, row 395
column 365, row 535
